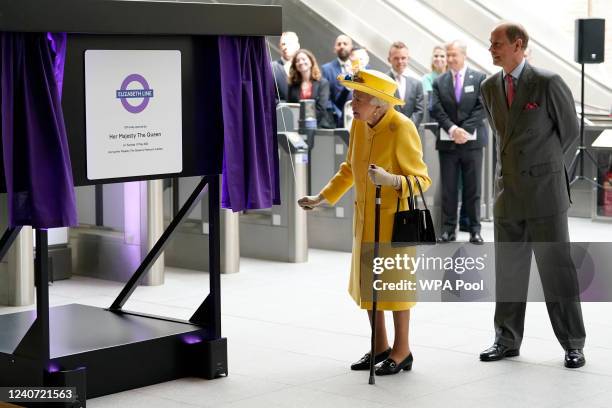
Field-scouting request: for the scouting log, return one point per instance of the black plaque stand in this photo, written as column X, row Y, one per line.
column 106, row 351
column 102, row 351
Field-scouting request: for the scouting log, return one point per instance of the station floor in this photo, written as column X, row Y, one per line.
column 293, row 331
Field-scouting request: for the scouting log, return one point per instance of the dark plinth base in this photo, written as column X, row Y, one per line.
column 118, row 351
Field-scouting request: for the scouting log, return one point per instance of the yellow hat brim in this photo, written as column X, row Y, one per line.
column 371, row 91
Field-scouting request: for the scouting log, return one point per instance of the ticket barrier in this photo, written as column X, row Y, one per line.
column 188, row 247
column 330, row 227
column 279, row 233
column 17, row 263
column 271, row 233
column 118, row 225
column 429, row 133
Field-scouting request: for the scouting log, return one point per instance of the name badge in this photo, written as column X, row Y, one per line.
column 468, row 89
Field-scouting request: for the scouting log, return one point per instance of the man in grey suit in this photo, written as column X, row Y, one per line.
column 532, row 114
column 409, row 89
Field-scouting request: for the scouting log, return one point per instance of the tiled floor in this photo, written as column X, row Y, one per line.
column 293, row 331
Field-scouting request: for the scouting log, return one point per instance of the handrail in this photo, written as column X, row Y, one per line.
column 571, row 66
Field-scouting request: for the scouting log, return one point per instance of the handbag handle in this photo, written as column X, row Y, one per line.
column 412, row 200
column 420, row 191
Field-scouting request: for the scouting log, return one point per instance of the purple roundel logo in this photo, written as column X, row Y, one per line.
column 125, row 94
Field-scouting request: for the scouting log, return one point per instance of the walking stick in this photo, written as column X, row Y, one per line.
column 374, row 292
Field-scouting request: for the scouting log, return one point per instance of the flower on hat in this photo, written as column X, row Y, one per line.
column 353, row 77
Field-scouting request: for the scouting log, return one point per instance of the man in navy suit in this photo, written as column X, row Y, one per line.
column 339, row 95
column 457, row 106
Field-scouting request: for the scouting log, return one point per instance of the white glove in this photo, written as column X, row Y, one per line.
column 381, row 177
column 310, row 202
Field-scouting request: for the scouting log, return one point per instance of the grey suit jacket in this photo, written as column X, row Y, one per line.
column 532, row 136
column 414, row 107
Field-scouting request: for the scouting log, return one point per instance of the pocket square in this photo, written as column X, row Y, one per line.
column 531, row 106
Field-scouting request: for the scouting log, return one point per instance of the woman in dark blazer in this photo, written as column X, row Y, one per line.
column 306, row 82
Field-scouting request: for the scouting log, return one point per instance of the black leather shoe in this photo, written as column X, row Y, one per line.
column 476, row 239
column 364, row 363
column 574, row 358
column 447, row 237
column 497, row 352
column 389, row 366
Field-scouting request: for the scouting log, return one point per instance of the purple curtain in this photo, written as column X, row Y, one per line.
column 36, row 160
column 57, row 42
column 250, row 160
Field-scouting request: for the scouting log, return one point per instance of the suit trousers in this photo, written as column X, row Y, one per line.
column 468, row 162
column 548, row 239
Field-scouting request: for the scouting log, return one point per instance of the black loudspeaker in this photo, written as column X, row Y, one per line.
column 589, row 40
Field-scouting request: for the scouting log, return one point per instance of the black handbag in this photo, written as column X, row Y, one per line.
column 413, row 226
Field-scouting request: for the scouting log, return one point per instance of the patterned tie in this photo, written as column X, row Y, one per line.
column 509, row 89
column 458, row 87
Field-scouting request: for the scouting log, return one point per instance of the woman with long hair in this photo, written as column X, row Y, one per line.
column 306, row 82
column 438, row 67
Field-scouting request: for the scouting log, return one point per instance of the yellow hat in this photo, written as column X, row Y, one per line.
column 373, row 83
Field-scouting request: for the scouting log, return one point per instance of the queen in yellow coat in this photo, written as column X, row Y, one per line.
column 384, row 147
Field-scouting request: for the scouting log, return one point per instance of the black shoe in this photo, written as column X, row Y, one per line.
column 476, row 239
column 364, row 363
column 574, row 358
column 447, row 237
column 497, row 352
column 389, row 366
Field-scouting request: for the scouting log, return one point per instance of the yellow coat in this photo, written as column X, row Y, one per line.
column 394, row 145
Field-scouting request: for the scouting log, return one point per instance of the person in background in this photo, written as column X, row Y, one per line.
column 360, row 59
column 305, row 82
column 384, row 147
column 438, row 67
column 409, row 89
column 289, row 44
column 458, row 108
column 339, row 65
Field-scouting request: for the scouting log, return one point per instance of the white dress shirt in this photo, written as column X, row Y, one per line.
column 401, row 83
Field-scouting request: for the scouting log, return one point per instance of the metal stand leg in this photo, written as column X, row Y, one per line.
column 582, row 151
column 41, row 273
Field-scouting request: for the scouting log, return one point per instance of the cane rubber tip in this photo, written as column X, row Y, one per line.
column 372, row 380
